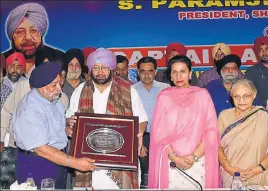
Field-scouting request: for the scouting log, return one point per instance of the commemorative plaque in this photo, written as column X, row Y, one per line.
column 110, row 140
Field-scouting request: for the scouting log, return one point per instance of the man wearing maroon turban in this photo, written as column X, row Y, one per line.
column 172, row 50
column 15, row 66
column 258, row 73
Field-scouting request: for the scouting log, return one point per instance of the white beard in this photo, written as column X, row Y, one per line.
column 73, row 75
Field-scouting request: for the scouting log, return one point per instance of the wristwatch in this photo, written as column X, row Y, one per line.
column 262, row 167
column 195, row 157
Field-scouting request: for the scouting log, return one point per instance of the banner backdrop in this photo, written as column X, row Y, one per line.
column 137, row 28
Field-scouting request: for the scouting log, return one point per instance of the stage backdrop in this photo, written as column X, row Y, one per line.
column 137, row 28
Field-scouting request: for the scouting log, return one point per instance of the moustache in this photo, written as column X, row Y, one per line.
column 28, row 43
column 100, row 76
column 146, row 78
column 14, row 74
column 230, row 76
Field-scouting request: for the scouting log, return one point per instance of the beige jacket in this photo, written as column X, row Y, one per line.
column 22, row 88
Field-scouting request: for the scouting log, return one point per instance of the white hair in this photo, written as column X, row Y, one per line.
column 244, row 82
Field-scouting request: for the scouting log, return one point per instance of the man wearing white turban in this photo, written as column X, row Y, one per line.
column 26, row 26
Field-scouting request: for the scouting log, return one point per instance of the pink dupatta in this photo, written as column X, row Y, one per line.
column 183, row 118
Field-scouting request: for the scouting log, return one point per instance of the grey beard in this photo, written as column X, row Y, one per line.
column 229, row 78
column 13, row 78
column 73, row 75
column 101, row 82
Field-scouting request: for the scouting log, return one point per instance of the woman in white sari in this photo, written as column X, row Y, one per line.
column 244, row 138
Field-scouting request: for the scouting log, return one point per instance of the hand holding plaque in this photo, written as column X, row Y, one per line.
column 108, row 139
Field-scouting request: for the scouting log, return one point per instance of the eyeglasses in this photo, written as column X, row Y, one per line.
column 245, row 97
column 97, row 69
column 21, row 32
column 262, row 76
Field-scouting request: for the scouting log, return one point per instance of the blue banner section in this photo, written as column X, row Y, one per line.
column 140, row 23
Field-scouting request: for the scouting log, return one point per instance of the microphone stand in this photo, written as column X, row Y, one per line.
column 173, row 165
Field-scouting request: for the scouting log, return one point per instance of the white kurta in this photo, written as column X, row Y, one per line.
column 100, row 179
column 179, row 181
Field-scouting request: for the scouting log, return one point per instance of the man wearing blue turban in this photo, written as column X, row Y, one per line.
column 26, row 26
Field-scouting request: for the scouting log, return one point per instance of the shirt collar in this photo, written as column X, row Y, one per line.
column 108, row 87
column 27, row 75
column 153, row 86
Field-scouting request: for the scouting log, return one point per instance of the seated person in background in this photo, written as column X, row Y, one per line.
column 244, row 138
column 219, row 90
column 218, row 52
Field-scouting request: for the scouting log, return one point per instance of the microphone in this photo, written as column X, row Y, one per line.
column 173, row 165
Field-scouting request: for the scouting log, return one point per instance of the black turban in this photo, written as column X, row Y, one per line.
column 70, row 54
column 227, row 59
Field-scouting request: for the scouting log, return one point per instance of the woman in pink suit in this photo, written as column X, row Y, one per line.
column 184, row 131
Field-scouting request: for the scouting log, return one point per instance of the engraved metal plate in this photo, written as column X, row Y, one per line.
column 105, row 140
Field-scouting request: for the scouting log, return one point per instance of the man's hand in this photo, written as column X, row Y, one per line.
column 69, row 131
column 85, row 164
column 70, row 124
column 144, row 151
column 71, row 121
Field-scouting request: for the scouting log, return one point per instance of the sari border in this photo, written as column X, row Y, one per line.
column 233, row 125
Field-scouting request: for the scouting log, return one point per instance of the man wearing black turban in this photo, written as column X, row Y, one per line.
column 228, row 68
column 26, row 26
column 73, row 64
